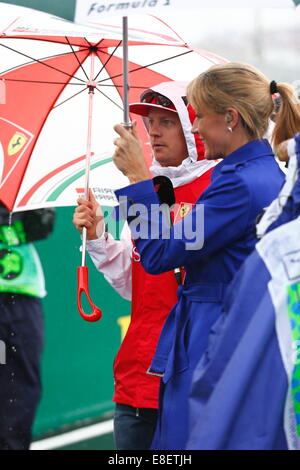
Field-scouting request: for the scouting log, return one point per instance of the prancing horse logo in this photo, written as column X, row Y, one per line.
column 17, row 141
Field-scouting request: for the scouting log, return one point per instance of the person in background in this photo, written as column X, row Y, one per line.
column 233, row 103
column 21, row 322
column 178, row 155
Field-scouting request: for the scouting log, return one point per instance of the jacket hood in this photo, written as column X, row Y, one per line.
column 175, row 92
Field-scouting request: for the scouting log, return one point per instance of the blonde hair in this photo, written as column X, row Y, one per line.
column 245, row 88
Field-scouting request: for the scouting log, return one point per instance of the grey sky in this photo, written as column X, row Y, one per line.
column 193, row 26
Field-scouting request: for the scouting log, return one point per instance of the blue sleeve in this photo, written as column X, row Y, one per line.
column 219, row 217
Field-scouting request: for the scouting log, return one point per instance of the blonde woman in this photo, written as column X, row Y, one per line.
column 234, row 103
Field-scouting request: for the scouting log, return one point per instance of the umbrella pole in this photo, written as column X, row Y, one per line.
column 126, row 119
column 82, row 271
column 91, row 85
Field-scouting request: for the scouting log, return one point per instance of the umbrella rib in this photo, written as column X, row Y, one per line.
column 42, row 63
column 121, row 86
column 90, row 44
column 148, row 65
column 32, row 61
column 28, row 63
column 80, row 64
column 110, row 99
column 99, row 42
column 109, row 58
column 42, row 81
column 59, row 104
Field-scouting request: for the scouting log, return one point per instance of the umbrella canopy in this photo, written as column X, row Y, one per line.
column 48, row 66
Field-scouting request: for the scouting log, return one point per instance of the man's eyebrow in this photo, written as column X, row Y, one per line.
column 168, row 116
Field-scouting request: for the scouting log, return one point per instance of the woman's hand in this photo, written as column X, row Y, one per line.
column 129, row 156
column 88, row 214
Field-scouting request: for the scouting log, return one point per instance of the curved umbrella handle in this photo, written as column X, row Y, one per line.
column 83, row 286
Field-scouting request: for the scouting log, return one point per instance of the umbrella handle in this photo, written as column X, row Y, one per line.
column 83, row 286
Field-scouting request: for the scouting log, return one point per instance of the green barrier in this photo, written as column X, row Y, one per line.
column 64, row 9
column 78, row 356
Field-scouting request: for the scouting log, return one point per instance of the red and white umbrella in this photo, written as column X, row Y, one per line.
column 59, row 82
column 46, row 69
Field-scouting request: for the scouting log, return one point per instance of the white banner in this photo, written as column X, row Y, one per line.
column 90, row 11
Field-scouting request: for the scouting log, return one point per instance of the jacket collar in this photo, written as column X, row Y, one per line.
column 249, row 151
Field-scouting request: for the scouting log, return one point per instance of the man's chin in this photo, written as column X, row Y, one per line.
column 161, row 160
column 164, row 164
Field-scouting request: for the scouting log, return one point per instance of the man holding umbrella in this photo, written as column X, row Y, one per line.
column 178, row 155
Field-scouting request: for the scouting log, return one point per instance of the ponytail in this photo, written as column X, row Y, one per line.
column 287, row 119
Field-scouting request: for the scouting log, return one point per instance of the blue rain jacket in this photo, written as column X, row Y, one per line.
column 243, row 395
column 243, row 184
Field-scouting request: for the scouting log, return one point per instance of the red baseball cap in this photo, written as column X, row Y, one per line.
column 151, row 100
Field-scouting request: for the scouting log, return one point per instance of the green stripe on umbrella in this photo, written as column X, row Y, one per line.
column 73, row 178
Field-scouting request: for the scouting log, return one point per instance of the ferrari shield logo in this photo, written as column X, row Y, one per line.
column 181, row 210
column 184, row 210
column 16, row 143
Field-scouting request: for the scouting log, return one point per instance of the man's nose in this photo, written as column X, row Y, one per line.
column 154, row 129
